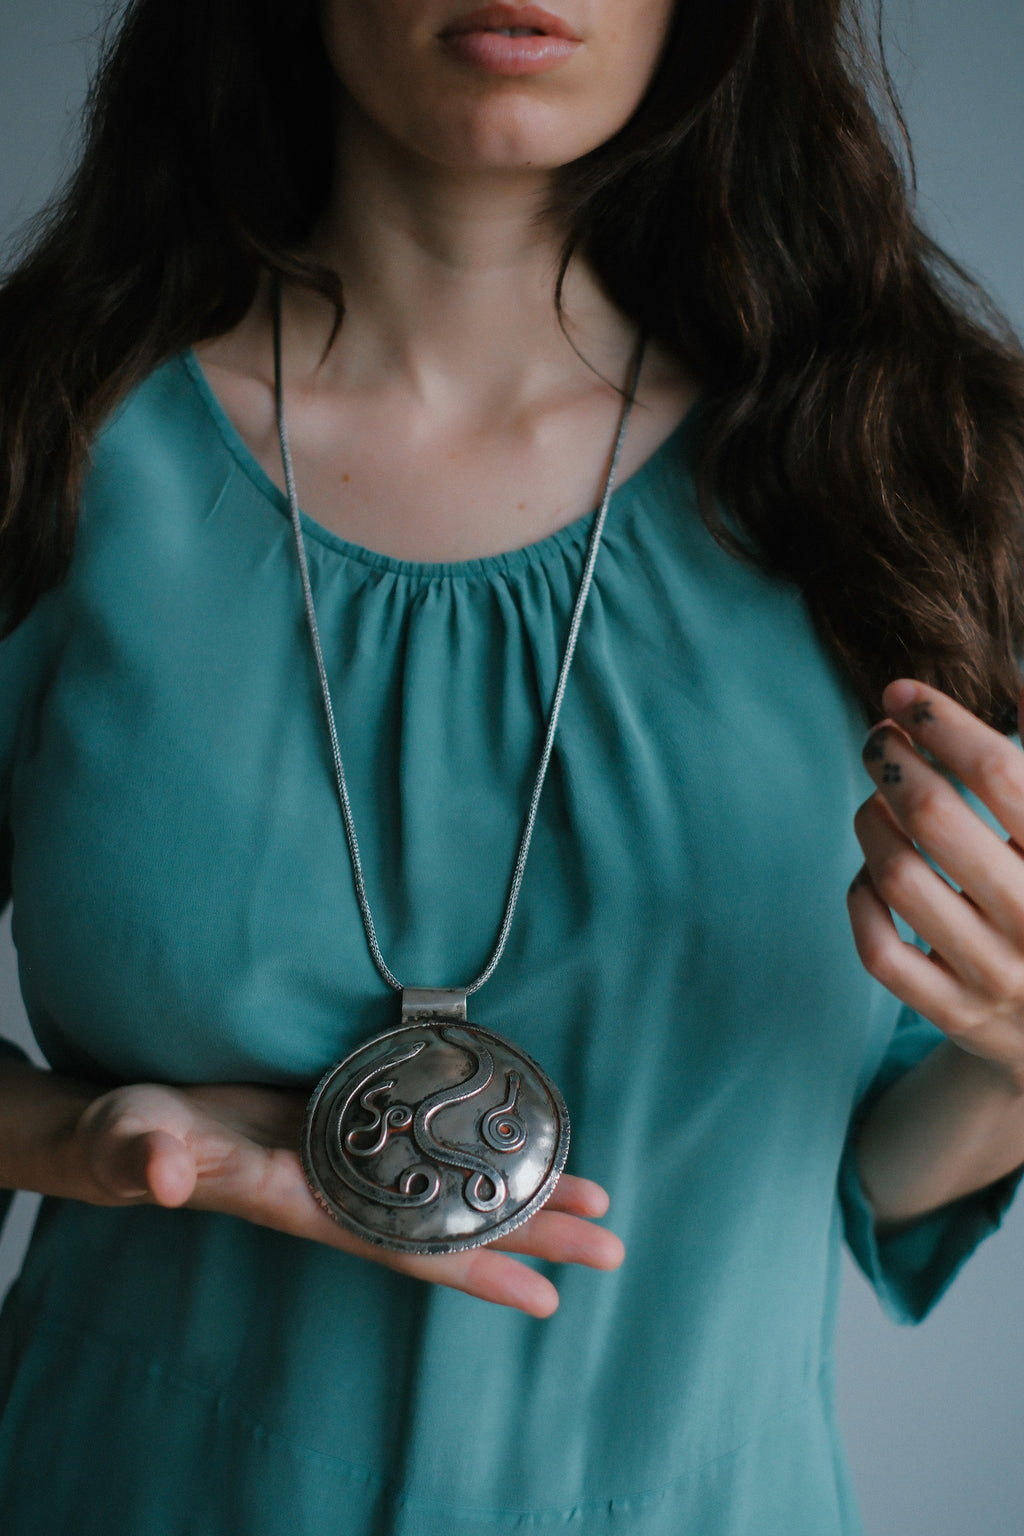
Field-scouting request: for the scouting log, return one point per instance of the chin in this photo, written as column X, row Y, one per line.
column 510, row 135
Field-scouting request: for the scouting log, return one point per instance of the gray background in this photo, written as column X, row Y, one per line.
column 932, row 1415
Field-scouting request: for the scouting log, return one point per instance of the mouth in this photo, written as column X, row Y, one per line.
column 512, row 21
column 510, row 40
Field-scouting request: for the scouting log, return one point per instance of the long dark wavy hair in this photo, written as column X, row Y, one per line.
column 863, row 405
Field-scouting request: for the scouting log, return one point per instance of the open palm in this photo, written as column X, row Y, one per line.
column 232, row 1148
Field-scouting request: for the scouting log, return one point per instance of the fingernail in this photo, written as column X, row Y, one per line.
column 873, row 750
column 877, row 755
column 900, row 694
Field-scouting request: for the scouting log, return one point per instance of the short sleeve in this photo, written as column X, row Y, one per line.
column 912, row 1268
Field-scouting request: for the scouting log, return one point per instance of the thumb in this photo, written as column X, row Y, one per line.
column 145, row 1165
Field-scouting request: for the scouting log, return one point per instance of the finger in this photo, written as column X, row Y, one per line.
column 925, row 984
column 273, row 1177
column 578, row 1197
column 991, row 766
column 915, row 978
column 485, row 1273
column 495, row 1277
column 563, row 1239
column 972, row 949
column 271, row 1190
column 170, row 1170
column 143, row 1166
column 934, row 816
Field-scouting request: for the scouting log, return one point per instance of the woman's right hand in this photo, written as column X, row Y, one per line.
column 232, row 1148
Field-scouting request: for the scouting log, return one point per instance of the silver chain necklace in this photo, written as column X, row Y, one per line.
column 438, row 1135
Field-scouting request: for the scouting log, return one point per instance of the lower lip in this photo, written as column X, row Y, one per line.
column 509, row 55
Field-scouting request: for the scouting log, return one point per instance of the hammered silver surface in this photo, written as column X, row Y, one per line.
column 434, row 1137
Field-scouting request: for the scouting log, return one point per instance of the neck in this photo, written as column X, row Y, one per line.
column 449, row 280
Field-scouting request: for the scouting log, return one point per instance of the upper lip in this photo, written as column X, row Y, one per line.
column 494, row 18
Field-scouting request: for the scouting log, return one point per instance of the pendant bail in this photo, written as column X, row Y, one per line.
column 424, row 1005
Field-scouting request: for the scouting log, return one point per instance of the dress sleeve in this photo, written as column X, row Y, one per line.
column 912, row 1268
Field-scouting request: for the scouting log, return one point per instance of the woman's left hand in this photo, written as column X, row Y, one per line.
column 971, row 983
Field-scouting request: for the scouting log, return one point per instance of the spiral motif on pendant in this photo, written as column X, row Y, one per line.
column 340, row 1146
column 502, row 1128
column 396, row 1118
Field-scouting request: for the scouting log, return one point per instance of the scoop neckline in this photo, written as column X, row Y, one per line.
column 569, row 536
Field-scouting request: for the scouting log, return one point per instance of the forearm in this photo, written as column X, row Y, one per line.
column 951, row 1125
column 38, row 1115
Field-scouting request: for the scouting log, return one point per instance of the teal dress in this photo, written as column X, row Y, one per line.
column 680, row 962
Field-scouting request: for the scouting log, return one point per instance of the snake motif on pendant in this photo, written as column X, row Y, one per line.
column 485, row 1187
column 453, row 1155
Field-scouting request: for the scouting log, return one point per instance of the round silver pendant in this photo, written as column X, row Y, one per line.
column 434, row 1137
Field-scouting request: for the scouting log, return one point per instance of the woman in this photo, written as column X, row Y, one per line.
column 467, row 221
